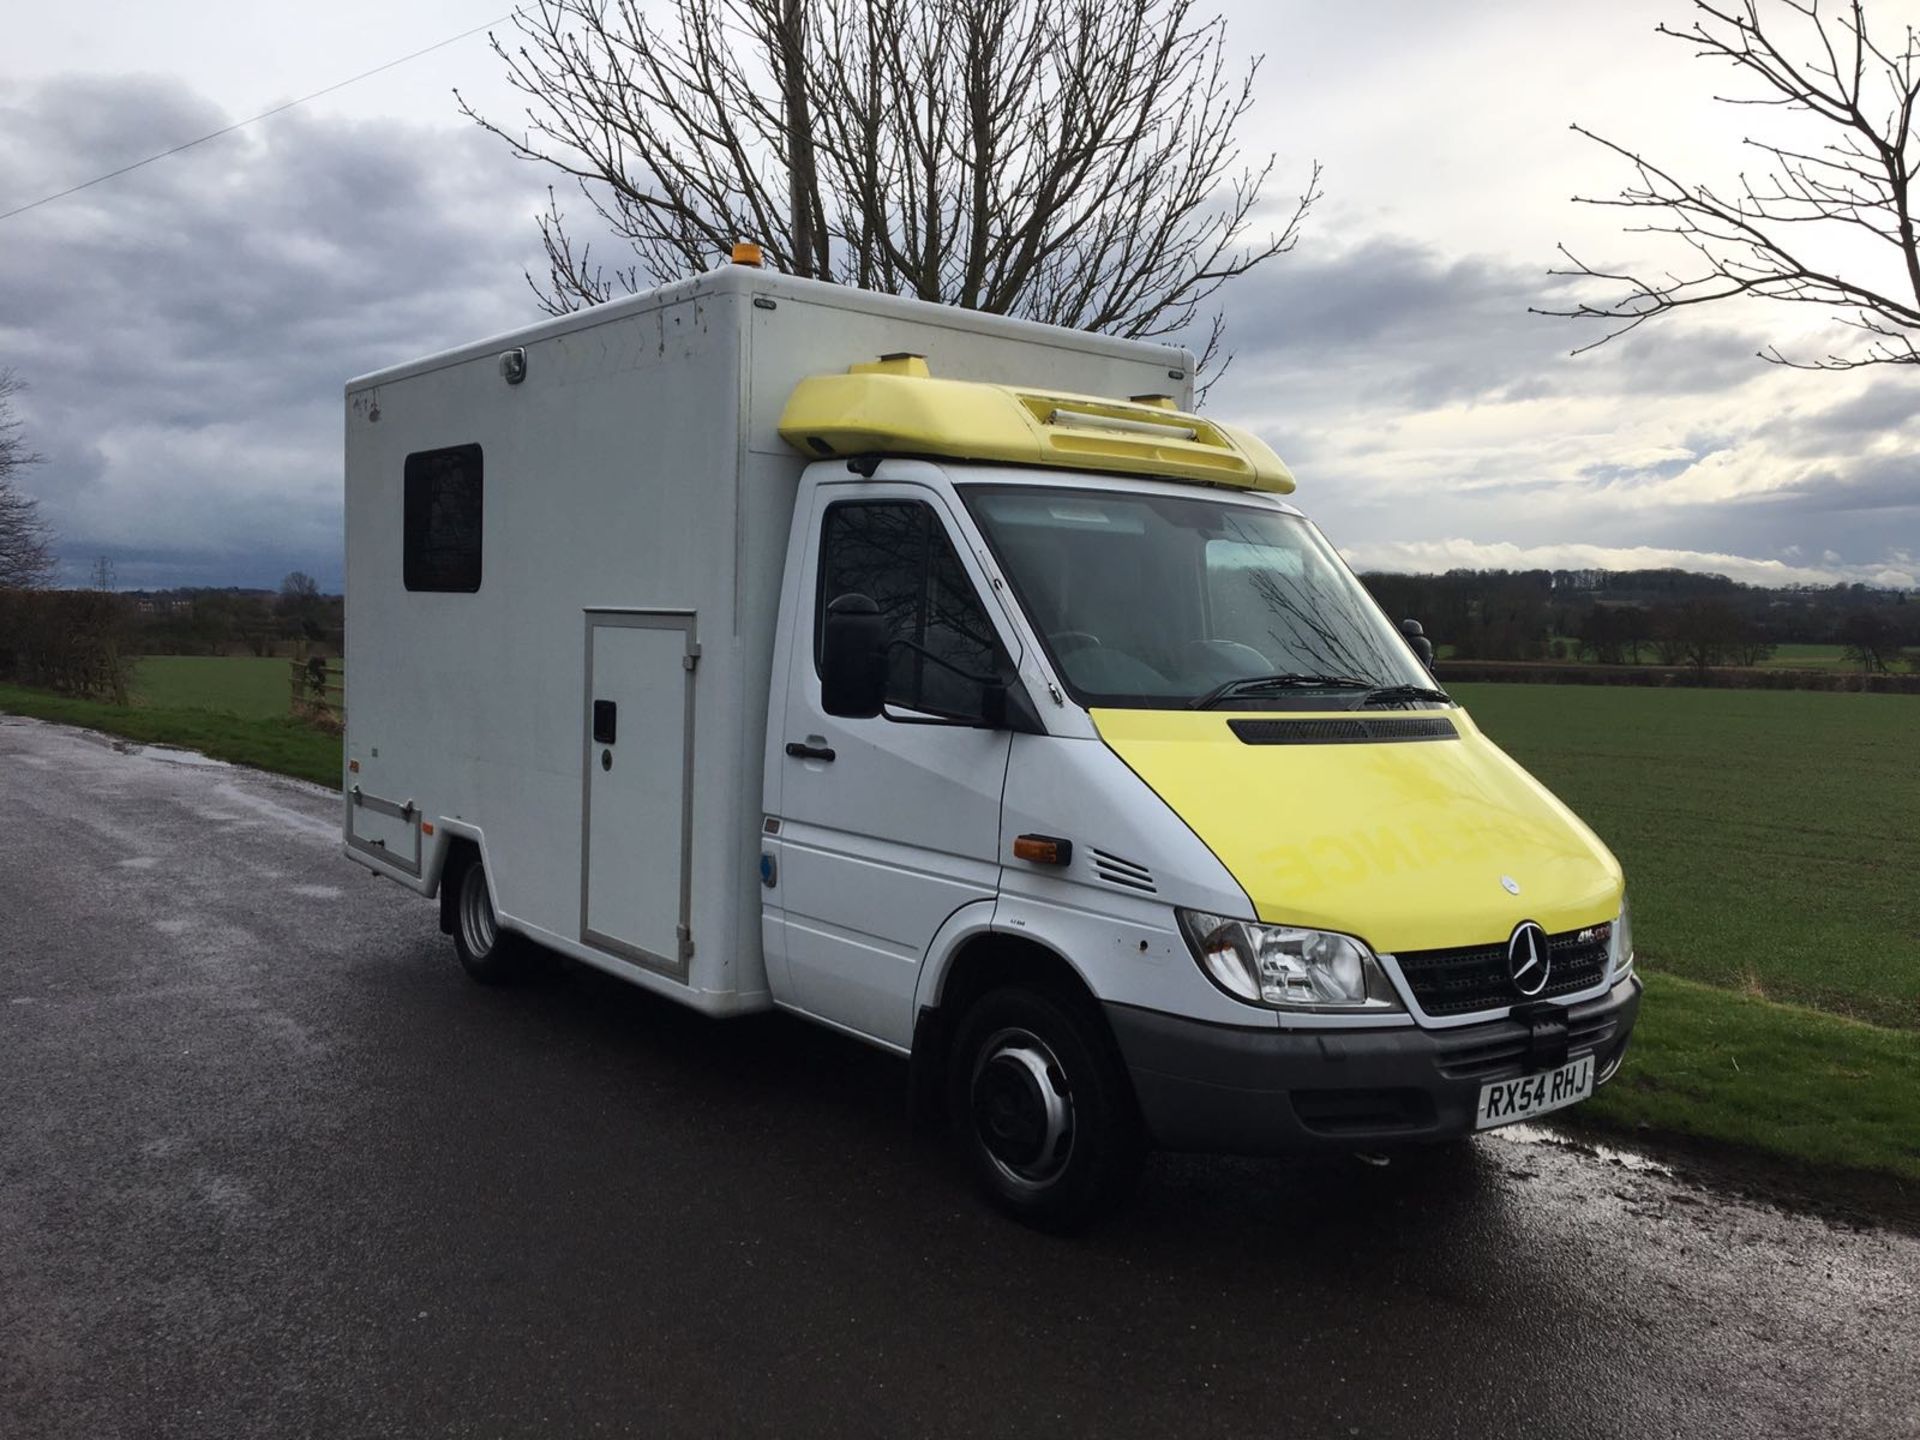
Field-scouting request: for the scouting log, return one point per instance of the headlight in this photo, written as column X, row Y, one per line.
column 1287, row 968
column 1623, row 943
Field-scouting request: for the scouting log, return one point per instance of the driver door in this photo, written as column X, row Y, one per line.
column 888, row 826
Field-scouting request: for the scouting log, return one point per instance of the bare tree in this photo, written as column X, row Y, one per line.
column 1869, row 641
column 1071, row 161
column 26, row 544
column 1849, row 192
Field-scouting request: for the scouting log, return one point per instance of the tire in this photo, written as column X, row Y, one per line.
column 1043, row 1110
column 489, row 954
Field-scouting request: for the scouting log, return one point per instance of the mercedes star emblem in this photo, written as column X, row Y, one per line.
column 1528, row 958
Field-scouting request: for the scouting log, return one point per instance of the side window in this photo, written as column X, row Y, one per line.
column 440, row 539
column 898, row 553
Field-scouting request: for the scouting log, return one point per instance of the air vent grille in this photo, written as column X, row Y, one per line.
column 1348, row 730
column 1124, row 873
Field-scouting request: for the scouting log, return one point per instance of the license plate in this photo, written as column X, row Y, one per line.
column 1505, row 1101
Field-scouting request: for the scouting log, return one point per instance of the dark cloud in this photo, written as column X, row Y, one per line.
column 1892, row 402
column 1403, row 374
column 187, row 329
column 1871, row 484
column 1855, row 423
column 1393, row 321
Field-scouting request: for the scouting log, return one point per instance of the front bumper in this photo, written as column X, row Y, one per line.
column 1257, row 1092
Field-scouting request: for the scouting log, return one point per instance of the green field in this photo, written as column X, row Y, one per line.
column 1807, row 657
column 1770, row 837
column 234, row 685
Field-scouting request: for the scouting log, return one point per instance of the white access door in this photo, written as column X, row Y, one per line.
column 637, row 733
column 886, row 826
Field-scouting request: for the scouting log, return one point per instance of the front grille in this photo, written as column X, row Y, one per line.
column 1473, row 978
column 1490, row 1056
column 1482, row 1051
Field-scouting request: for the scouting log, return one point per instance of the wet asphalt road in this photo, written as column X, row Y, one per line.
column 271, row 1166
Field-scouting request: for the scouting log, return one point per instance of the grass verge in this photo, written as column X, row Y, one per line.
column 1815, row 1089
column 280, row 744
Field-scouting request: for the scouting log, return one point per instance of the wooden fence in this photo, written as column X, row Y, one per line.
column 318, row 688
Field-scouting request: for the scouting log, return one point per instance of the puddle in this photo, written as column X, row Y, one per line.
column 1524, row 1134
column 166, row 754
column 172, row 756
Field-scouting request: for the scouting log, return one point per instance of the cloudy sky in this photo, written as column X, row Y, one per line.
column 186, row 329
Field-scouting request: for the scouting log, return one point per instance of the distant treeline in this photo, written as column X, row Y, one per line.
column 1626, row 617
column 295, row 619
column 79, row 642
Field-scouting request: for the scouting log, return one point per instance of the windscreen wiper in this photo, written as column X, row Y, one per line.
column 1260, row 684
column 1400, row 694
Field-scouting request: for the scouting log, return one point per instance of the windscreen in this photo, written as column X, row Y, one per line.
column 1157, row 601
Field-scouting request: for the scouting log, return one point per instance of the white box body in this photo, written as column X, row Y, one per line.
column 636, row 503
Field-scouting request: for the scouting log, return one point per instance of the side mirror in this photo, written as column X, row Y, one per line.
column 853, row 658
column 1417, row 640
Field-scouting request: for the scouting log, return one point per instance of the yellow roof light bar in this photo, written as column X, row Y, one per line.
column 1058, row 416
column 895, row 406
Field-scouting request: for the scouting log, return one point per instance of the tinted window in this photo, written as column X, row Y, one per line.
column 441, row 541
column 898, row 553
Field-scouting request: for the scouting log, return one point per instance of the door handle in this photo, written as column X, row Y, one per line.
column 809, row 752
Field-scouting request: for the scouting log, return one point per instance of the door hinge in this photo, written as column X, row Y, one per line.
column 686, row 941
column 692, row 657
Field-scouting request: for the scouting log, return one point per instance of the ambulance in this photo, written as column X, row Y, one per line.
column 946, row 680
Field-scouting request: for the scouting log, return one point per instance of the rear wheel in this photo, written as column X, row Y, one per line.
column 489, row 954
column 1043, row 1109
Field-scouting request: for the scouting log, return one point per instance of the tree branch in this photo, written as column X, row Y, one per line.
column 1775, row 239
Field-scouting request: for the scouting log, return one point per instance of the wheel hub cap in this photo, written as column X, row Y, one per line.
column 476, row 913
column 1022, row 1110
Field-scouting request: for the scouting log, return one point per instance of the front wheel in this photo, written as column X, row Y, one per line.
column 1043, row 1108
column 489, row 954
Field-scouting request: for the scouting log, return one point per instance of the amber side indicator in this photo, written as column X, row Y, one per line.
column 1043, row 849
column 426, row 827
